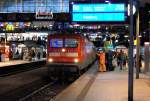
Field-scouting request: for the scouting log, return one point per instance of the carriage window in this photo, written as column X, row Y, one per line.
column 71, row 43
column 56, row 43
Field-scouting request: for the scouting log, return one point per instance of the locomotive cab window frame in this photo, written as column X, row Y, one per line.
column 56, row 43
column 71, row 43
column 64, row 43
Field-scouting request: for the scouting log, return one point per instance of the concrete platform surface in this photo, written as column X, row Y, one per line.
column 106, row 86
column 113, row 86
column 76, row 91
column 16, row 62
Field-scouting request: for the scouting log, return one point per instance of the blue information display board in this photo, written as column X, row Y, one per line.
column 98, row 16
column 98, row 8
column 98, row 12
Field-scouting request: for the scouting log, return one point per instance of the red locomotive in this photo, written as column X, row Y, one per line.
column 72, row 52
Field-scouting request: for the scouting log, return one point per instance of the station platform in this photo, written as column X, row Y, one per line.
column 16, row 66
column 13, row 62
column 17, row 62
column 106, row 86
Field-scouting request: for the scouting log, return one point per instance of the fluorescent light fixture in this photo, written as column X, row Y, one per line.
column 107, row 1
column 116, row 41
column 126, row 36
column 140, row 36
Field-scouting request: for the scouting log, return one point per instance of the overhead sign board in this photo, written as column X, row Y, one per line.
column 98, row 12
column 98, row 8
column 44, row 15
column 98, row 17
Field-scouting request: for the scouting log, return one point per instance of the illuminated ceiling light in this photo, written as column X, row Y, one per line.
column 126, row 36
column 84, row 34
column 76, row 25
column 147, row 43
column 72, row 3
column 107, row 1
column 140, row 36
column 99, row 27
column 106, row 28
column 99, row 36
column 1, row 25
column 116, row 41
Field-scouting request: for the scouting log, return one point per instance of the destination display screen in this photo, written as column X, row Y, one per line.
column 98, row 12
column 98, row 8
column 98, row 17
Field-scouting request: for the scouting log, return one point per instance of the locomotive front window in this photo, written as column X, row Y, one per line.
column 56, row 43
column 71, row 43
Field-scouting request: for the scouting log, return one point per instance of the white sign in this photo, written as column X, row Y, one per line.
column 44, row 15
column 134, row 9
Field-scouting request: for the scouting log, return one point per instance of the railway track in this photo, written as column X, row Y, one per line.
column 49, row 91
column 43, row 89
column 14, row 69
column 45, row 93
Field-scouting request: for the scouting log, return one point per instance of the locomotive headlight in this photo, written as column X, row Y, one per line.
column 76, row 60
column 50, row 60
column 63, row 50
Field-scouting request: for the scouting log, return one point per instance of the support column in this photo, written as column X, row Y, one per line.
column 130, row 65
column 137, row 46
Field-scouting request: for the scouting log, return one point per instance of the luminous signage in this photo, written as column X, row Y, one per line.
column 98, row 17
column 9, row 27
column 98, row 8
column 98, row 12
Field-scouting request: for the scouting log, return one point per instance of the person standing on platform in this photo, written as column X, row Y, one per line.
column 0, row 56
column 121, row 59
column 109, row 58
column 140, row 62
column 102, row 66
